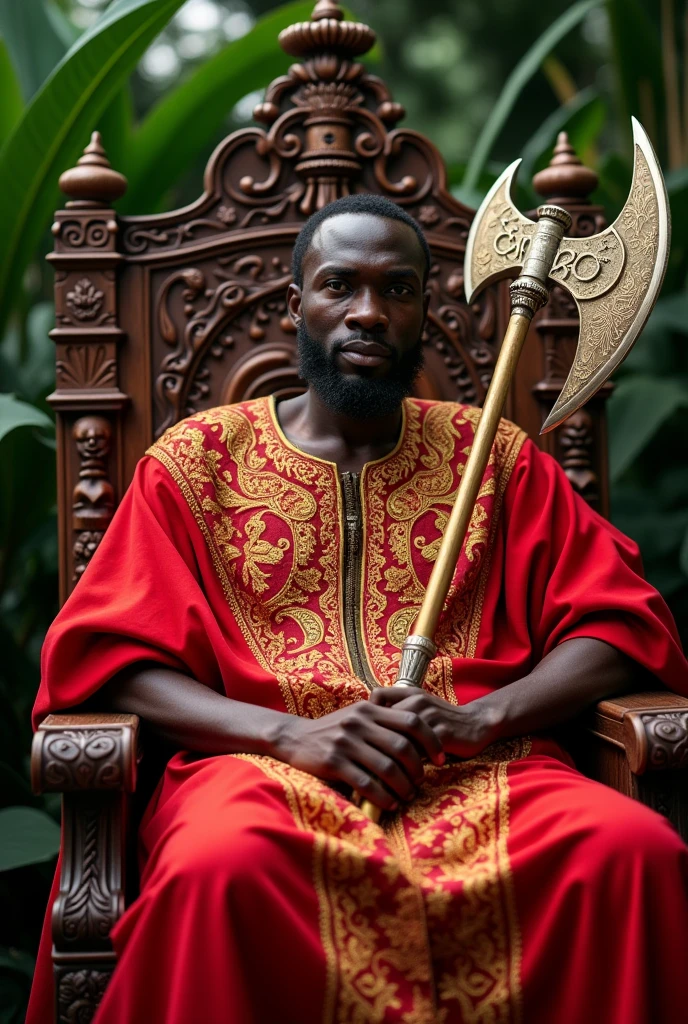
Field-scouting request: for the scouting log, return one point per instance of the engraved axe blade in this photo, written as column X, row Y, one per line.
column 614, row 277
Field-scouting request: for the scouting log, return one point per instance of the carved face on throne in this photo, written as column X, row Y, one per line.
column 93, row 436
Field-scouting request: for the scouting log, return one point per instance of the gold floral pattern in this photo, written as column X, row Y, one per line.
column 416, row 919
column 272, row 518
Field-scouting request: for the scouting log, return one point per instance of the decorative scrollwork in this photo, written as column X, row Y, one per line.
column 667, row 736
column 92, row 233
column 244, row 284
column 83, row 759
column 78, row 995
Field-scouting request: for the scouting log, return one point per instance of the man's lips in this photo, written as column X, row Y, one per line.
column 365, row 353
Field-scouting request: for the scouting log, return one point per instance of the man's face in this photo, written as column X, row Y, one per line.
column 360, row 313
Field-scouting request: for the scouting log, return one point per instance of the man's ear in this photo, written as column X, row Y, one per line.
column 294, row 304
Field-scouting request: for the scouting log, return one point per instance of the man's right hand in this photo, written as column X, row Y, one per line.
column 376, row 750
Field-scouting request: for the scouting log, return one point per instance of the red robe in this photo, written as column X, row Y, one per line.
column 513, row 889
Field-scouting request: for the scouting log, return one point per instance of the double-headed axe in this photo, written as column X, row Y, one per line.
column 614, row 278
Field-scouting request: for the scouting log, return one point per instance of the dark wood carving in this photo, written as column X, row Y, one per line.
column 78, row 994
column 638, row 744
column 91, row 760
column 87, row 399
column 93, row 498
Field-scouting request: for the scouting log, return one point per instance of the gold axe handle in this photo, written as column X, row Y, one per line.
column 528, row 294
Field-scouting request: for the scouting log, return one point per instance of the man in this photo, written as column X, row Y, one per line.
column 250, row 599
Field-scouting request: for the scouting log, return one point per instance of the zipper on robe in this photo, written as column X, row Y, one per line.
column 353, row 567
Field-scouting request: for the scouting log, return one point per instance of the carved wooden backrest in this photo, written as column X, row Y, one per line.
column 160, row 316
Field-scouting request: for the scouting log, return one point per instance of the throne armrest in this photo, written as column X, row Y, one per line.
column 638, row 745
column 651, row 728
column 92, row 760
column 77, row 753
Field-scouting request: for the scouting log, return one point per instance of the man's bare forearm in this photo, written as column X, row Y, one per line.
column 192, row 715
column 573, row 676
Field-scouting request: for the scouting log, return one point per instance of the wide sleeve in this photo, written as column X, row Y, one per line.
column 140, row 598
column 578, row 576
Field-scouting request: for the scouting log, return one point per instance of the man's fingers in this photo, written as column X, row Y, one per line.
column 360, row 779
column 398, row 746
column 411, row 724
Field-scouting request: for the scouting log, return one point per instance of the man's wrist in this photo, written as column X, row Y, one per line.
column 491, row 717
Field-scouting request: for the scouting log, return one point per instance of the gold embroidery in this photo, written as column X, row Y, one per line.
column 428, row 896
column 371, row 920
column 402, row 504
column 282, row 580
column 271, row 517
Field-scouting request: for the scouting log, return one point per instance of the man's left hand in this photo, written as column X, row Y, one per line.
column 463, row 730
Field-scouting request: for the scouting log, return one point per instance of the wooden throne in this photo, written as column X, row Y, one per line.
column 160, row 316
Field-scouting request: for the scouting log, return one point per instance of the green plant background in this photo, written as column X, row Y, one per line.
column 485, row 79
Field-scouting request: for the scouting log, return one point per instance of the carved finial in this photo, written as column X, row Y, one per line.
column 565, row 177
column 327, row 9
column 93, row 179
column 327, row 33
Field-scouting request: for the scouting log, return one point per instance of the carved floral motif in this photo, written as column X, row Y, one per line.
column 85, row 301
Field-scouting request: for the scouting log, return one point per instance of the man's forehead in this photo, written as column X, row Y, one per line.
column 354, row 237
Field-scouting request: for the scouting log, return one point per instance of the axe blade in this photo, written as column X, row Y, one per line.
column 612, row 317
column 614, row 277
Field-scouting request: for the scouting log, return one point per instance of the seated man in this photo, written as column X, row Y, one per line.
column 250, row 600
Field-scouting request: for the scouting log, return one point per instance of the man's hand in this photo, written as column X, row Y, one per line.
column 463, row 731
column 377, row 750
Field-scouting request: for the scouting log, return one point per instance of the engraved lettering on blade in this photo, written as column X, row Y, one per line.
column 511, row 243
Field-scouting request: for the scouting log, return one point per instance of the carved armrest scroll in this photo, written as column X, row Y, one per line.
column 90, row 759
column 650, row 728
column 77, row 753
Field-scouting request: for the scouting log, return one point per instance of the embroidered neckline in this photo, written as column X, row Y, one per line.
column 401, row 440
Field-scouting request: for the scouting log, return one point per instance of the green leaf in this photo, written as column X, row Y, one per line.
column 519, row 77
column 14, row 413
column 57, row 124
column 197, row 109
column 33, row 41
column 638, row 65
column 582, row 119
column 27, row 836
column 637, row 409
column 12, row 103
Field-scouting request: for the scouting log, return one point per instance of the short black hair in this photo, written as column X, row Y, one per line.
column 363, row 202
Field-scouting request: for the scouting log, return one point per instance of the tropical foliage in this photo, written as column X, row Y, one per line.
column 61, row 77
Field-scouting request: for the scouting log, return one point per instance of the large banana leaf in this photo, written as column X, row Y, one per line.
column 640, row 405
column 12, row 104
column 528, row 65
column 188, row 118
column 57, row 125
column 638, row 67
column 33, row 41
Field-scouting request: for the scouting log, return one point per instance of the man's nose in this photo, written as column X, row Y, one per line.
column 366, row 314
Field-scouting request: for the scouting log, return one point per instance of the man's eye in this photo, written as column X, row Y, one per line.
column 336, row 286
column 400, row 289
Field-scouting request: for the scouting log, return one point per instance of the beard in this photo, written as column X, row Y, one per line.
column 351, row 395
